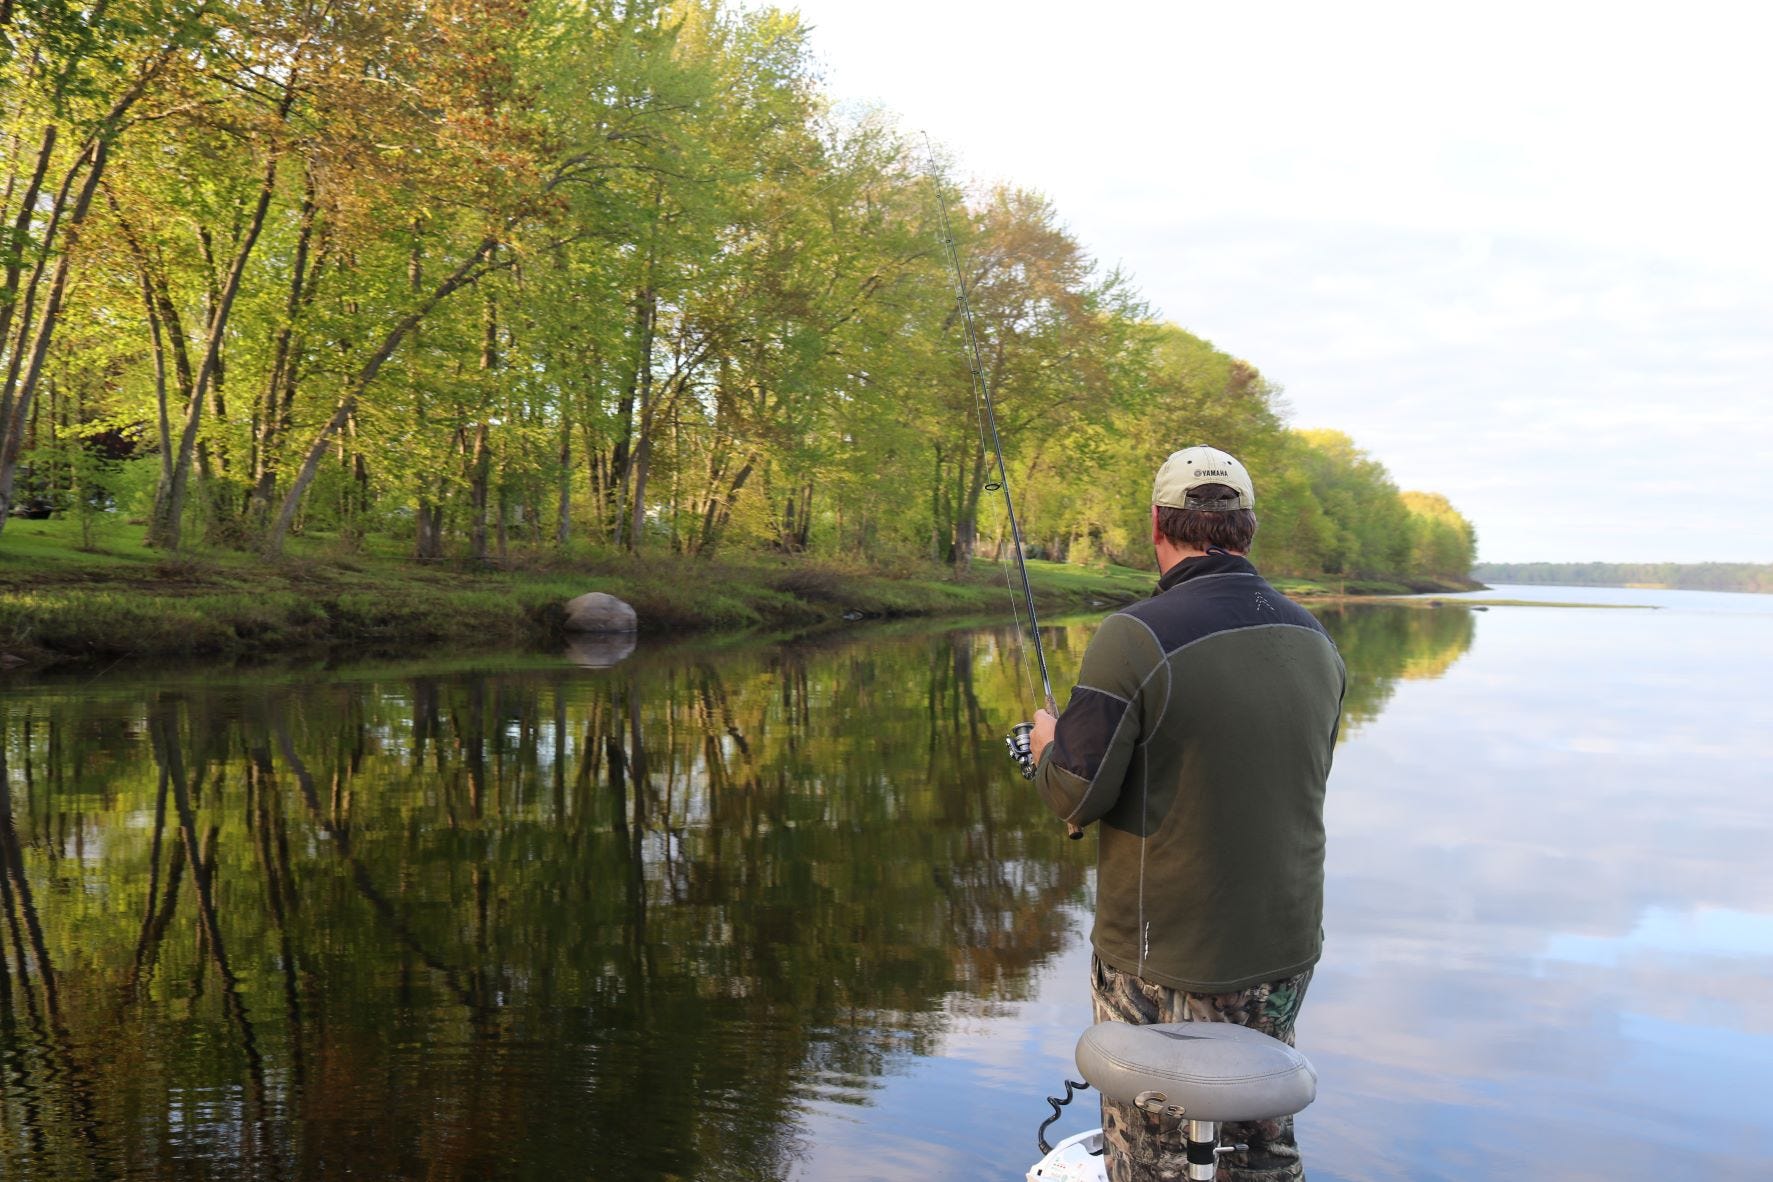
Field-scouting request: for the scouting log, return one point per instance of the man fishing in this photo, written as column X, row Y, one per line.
column 1200, row 735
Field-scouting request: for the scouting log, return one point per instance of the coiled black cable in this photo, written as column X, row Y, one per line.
column 1040, row 1136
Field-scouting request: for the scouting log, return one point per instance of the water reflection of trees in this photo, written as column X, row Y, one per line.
column 603, row 924
column 611, row 924
column 1382, row 643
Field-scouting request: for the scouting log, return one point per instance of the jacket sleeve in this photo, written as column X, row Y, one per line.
column 1080, row 773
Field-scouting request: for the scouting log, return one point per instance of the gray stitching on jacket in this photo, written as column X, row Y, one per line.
column 1247, row 628
column 1163, row 664
column 1105, row 693
column 1090, row 784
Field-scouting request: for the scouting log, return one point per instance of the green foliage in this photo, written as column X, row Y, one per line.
column 1442, row 543
column 579, row 275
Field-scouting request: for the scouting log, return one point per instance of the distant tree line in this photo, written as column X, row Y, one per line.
column 1687, row 576
column 475, row 275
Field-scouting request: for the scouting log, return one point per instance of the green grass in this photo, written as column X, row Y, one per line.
column 119, row 600
column 61, row 603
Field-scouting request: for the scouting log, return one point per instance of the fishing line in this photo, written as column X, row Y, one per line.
column 1019, row 740
column 988, row 422
column 1024, row 666
column 1003, row 563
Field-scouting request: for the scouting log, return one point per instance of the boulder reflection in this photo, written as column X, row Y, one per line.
column 524, row 921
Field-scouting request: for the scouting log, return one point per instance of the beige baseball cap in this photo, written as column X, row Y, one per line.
column 1192, row 467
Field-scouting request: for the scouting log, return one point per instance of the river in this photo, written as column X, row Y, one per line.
column 760, row 910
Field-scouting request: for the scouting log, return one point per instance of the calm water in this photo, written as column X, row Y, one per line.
column 762, row 912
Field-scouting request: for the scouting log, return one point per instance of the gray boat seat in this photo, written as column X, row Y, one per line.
column 1216, row 1071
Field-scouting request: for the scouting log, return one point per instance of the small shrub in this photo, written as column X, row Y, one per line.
column 177, row 568
column 817, row 584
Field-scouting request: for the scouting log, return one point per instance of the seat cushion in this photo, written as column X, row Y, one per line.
column 1217, row 1071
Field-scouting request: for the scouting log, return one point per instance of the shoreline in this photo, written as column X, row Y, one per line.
column 62, row 607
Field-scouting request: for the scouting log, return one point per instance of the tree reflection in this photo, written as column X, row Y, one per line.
column 1382, row 644
column 612, row 923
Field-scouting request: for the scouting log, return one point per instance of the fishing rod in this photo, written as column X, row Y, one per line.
column 1019, row 740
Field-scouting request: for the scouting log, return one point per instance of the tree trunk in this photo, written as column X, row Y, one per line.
column 19, row 389
column 480, row 465
column 479, row 468
column 640, row 379
column 966, row 524
column 157, row 333
column 428, row 544
column 15, row 267
column 285, row 350
column 563, row 518
column 598, row 475
column 720, row 508
column 464, row 275
column 803, row 532
column 936, row 509
column 163, row 529
column 14, row 427
column 639, row 390
column 502, row 504
column 643, row 456
column 428, row 520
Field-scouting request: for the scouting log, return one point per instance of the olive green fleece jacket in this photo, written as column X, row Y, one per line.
column 1200, row 736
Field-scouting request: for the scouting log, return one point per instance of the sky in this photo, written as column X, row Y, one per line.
column 1522, row 254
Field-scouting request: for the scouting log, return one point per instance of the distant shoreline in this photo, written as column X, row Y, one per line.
column 1749, row 577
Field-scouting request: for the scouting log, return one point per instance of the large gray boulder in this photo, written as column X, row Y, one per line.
column 597, row 612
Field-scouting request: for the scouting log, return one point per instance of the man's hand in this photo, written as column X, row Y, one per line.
column 1043, row 733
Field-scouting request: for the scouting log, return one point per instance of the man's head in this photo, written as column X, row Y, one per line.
column 1204, row 498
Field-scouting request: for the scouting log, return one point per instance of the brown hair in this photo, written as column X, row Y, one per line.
column 1199, row 529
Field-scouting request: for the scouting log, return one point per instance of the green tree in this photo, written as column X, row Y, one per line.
column 78, row 79
column 1371, row 525
column 1051, row 331
column 1443, row 543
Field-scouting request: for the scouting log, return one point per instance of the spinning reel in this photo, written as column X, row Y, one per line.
column 1020, row 743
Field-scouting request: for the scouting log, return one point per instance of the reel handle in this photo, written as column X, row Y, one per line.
column 1020, row 743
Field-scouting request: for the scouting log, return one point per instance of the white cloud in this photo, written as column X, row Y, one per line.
column 1518, row 247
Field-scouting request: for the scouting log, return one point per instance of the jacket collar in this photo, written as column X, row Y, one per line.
column 1208, row 564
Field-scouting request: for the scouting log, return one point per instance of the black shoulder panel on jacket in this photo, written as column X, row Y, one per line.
column 1199, row 607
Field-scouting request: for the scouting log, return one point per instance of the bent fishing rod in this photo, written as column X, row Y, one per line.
column 1019, row 739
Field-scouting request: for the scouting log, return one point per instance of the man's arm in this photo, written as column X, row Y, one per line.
column 1082, row 756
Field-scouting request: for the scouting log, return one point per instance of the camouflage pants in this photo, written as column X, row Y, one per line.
column 1135, row 1151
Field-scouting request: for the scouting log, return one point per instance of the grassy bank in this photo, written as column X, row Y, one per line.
column 118, row 600
column 67, row 599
